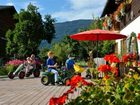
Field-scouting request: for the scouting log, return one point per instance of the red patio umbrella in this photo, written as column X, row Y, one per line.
column 97, row 35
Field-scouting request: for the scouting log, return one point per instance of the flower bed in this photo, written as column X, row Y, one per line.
column 11, row 65
column 111, row 90
column 76, row 81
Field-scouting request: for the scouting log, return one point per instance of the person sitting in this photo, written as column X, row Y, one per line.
column 50, row 63
column 70, row 64
column 33, row 61
column 28, row 64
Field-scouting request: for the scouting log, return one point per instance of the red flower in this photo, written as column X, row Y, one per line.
column 106, row 76
column 104, row 68
column 53, row 101
column 58, row 101
column 71, row 90
column 107, row 57
column 61, row 100
column 112, row 58
column 73, row 83
column 114, row 70
column 15, row 62
column 139, row 36
column 87, row 83
column 125, row 58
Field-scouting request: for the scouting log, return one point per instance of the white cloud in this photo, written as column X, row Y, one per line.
column 10, row 3
column 25, row 4
column 82, row 4
column 81, row 9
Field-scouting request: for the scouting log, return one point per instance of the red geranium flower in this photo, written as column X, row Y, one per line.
column 73, row 83
column 107, row 57
column 58, row 101
column 125, row 58
column 106, row 77
column 114, row 70
column 112, row 58
column 61, row 100
column 104, row 68
column 53, row 101
column 139, row 36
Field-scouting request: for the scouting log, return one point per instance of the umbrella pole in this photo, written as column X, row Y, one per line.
column 97, row 50
column 97, row 45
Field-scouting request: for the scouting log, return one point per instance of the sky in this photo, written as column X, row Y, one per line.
column 62, row 10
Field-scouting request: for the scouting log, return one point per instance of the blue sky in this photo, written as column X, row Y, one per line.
column 62, row 10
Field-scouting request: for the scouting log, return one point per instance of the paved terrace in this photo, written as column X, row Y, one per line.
column 29, row 91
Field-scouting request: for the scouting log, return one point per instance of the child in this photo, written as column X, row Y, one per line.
column 50, row 63
column 70, row 63
column 28, row 64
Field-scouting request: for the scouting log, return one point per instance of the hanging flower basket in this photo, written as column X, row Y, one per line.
column 109, row 22
column 105, row 24
column 118, row 17
column 122, row 11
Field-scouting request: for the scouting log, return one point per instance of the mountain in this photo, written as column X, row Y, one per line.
column 70, row 27
column 67, row 28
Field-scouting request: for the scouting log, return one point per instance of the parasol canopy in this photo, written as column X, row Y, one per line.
column 97, row 35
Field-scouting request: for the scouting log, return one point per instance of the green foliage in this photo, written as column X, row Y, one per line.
column 96, row 24
column 10, row 68
column 108, row 47
column 60, row 52
column 111, row 92
column 62, row 49
column 80, row 49
column 49, row 28
column 28, row 32
column 68, row 46
column 43, row 52
column 3, row 71
column 104, row 47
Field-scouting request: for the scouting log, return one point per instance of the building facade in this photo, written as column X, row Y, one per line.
column 7, row 21
column 125, row 18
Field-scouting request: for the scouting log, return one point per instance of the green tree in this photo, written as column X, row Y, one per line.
column 108, row 47
column 10, row 46
column 43, row 53
column 63, row 48
column 28, row 33
column 49, row 28
column 104, row 47
column 96, row 24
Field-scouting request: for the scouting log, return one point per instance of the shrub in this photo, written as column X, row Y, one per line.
column 15, row 62
column 10, row 66
column 3, row 71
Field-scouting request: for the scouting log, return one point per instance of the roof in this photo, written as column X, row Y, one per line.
column 3, row 7
column 110, row 7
